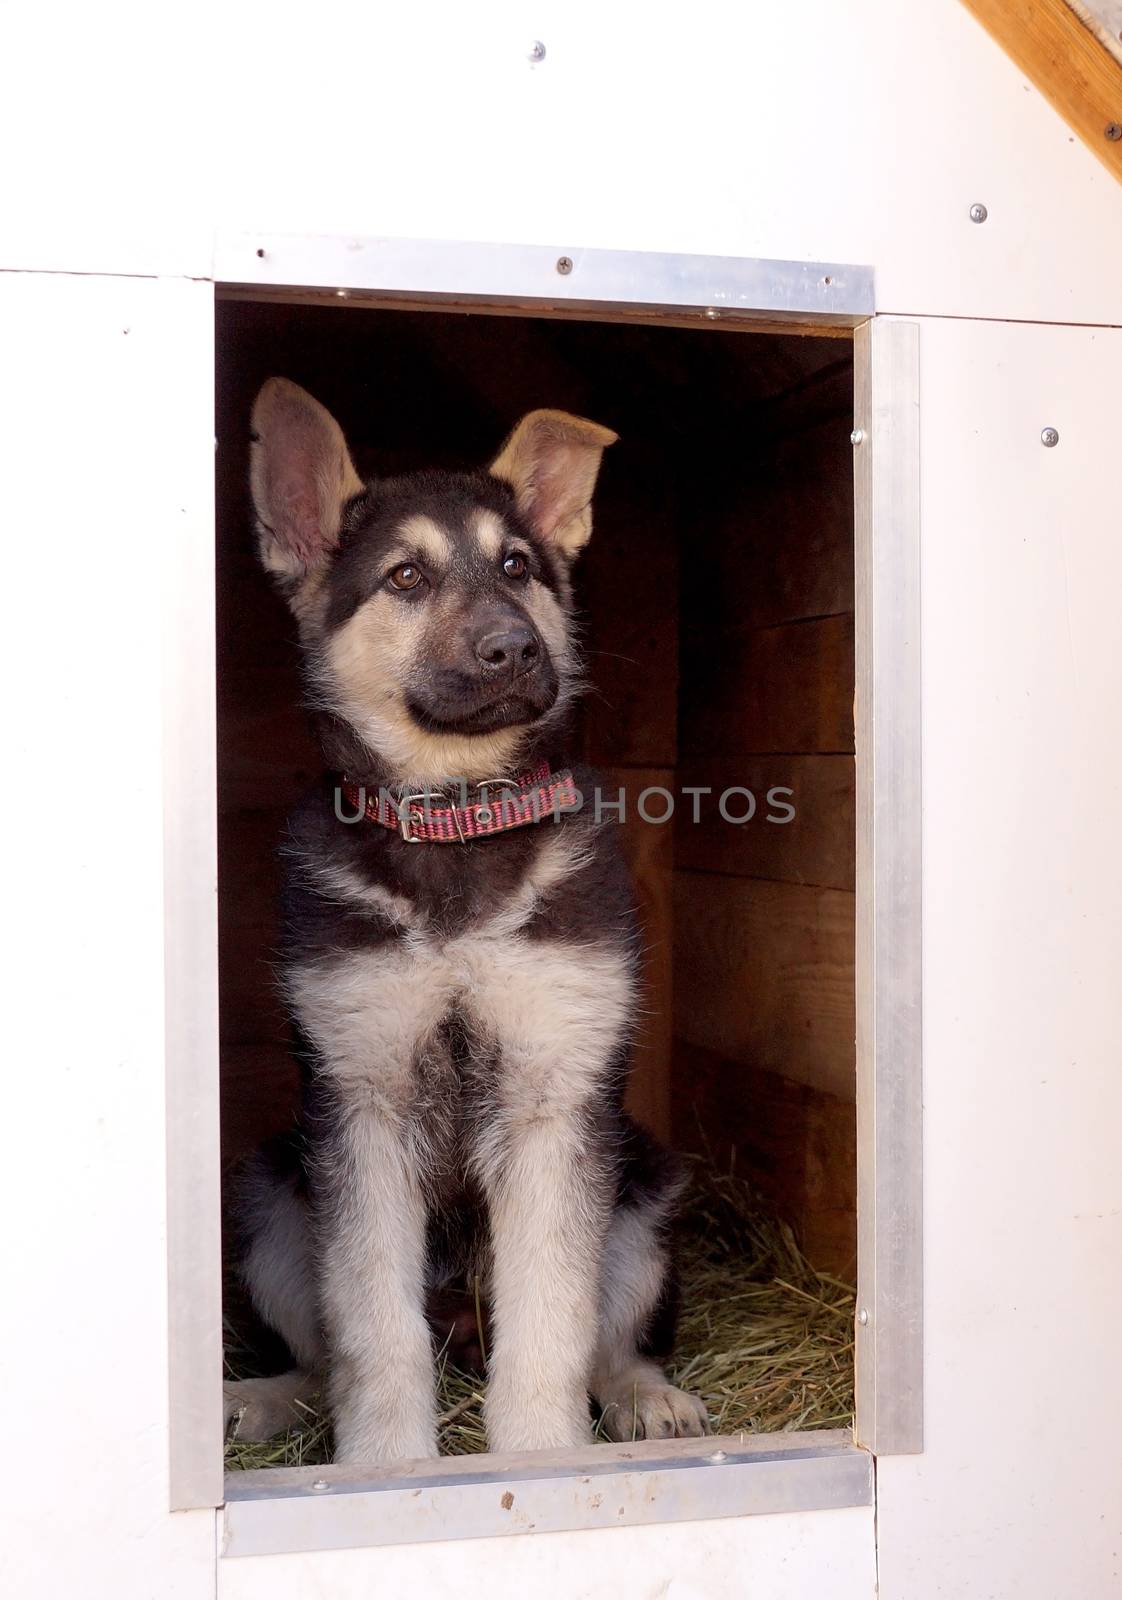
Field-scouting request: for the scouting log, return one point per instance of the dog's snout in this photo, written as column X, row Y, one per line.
column 512, row 650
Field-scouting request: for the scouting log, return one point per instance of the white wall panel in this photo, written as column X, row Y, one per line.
column 858, row 133
column 1019, row 1492
column 804, row 1556
column 106, row 422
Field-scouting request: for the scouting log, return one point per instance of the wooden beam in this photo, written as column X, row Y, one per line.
column 1104, row 18
column 1067, row 62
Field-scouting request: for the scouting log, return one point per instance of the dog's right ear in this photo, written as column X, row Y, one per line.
column 301, row 476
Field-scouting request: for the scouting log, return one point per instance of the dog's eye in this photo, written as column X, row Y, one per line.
column 407, row 576
column 515, row 566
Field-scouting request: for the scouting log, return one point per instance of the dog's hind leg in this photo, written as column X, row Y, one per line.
column 638, row 1308
column 259, row 1408
column 275, row 1246
column 269, row 1233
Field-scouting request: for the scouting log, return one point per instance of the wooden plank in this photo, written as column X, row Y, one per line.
column 260, row 1092
column 267, row 758
column 1104, row 18
column 627, row 585
column 795, row 1144
column 781, row 542
column 1072, row 69
column 763, row 974
column 822, row 395
column 815, row 847
column 770, row 690
column 770, row 326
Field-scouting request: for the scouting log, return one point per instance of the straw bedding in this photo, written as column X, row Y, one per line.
column 764, row 1338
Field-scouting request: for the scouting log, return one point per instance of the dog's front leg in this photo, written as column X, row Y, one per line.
column 558, row 1014
column 548, row 1218
column 381, row 1384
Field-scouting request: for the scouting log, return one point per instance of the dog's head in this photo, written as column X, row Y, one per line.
column 434, row 609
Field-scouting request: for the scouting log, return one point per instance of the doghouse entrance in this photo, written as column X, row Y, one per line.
column 718, row 593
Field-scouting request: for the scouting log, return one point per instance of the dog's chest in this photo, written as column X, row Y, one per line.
column 426, row 1016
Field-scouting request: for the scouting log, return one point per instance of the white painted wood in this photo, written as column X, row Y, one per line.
column 1019, row 1491
column 889, row 888
column 857, row 133
column 105, row 417
column 802, row 1556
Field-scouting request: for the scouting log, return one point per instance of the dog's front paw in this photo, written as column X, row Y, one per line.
column 652, row 1409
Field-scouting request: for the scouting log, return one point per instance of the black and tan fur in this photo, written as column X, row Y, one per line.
column 462, row 1011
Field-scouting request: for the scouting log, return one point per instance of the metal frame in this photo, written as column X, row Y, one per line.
column 889, row 899
column 609, row 1485
column 605, row 1486
column 543, row 279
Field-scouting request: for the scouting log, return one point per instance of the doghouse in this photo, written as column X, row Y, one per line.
column 847, row 287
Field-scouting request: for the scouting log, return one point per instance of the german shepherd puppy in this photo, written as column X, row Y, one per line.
column 462, row 1002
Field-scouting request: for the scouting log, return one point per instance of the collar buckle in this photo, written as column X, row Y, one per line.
column 405, row 821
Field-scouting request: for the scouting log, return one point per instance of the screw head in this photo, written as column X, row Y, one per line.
column 978, row 212
column 320, row 1485
column 718, row 1456
column 712, row 313
column 863, row 1317
column 1049, row 437
column 1113, row 131
column 564, row 265
column 537, row 51
column 857, row 436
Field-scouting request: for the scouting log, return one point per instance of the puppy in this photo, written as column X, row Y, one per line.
column 459, row 956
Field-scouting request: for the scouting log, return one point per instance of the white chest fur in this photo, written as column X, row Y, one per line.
column 552, row 1012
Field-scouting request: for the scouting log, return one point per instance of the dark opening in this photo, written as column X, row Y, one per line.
column 718, row 596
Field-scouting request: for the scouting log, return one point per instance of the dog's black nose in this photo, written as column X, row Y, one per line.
column 510, row 651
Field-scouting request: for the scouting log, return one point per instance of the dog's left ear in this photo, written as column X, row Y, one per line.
column 551, row 461
column 301, row 476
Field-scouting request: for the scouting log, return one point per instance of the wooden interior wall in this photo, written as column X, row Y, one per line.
column 679, row 556
column 764, row 911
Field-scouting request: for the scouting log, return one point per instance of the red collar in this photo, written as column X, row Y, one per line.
column 506, row 803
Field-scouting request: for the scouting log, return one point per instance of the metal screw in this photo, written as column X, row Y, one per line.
column 342, row 294
column 1113, row 131
column 320, row 1485
column 863, row 1317
column 857, row 436
column 537, row 51
column 1049, row 437
column 978, row 212
column 712, row 313
column 718, row 1456
column 564, row 265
